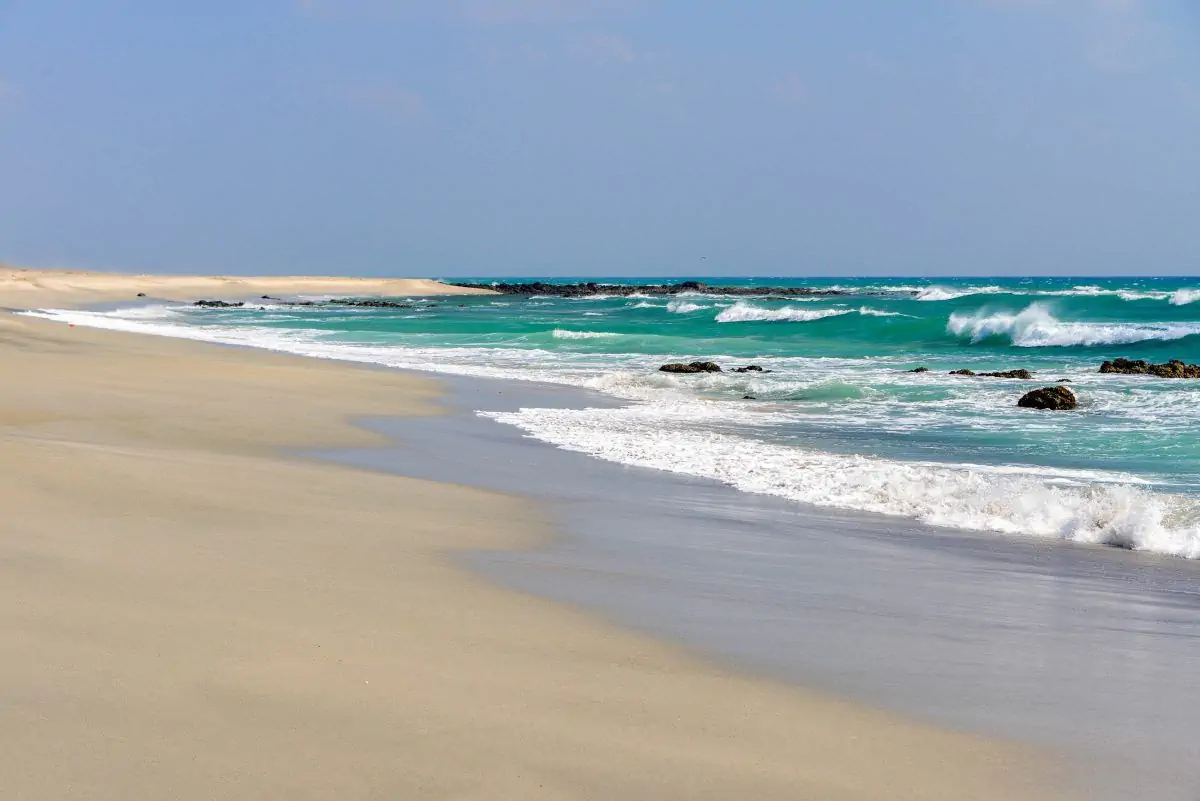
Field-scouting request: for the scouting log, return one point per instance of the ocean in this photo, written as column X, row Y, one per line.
column 839, row 421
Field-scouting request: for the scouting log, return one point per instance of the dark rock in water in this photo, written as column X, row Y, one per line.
column 218, row 304
column 751, row 368
column 372, row 304
column 749, row 397
column 1172, row 369
column 268, row 297
column 1064, row 381
column 141, row 294
column 1052, row 398
column 919, row 370
column 1018, row 373
column 694, row 367
column 590, row 288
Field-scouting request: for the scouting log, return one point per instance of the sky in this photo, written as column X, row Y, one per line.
column 602, row 137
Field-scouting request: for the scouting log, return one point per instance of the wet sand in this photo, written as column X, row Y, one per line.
column 1076, row 649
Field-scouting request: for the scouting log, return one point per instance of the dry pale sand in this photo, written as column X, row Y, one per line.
column 187, row 612
column 27, row 287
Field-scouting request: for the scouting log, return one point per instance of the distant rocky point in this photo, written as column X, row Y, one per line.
column 591, row 288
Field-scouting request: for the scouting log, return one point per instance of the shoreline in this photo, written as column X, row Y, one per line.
column 166, row 564
column 1016, row 638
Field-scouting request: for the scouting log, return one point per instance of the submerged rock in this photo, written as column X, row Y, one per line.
column 693, row 367
column 1172, row 369
column 141, row 294
column 1064, row 381
column 751, row 368
column 218, row 304
column 963, row 371
column 919, row 370
column 749, row 397
column 1052, row 398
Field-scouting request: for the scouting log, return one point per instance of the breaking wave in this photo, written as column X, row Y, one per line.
column 560, row 333
column 745, row 313
column 1008, row 500
column 1035, row 327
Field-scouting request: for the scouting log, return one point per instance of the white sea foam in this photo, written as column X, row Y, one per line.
column 644, row 305
column 1034, row 327
column 867, row 311
column 742, row 312
column 935, row 293
column 1182, row 297
column 560, row 333
column 668, row 437
column 940, row 293
column 670, row 429
column 678, row 306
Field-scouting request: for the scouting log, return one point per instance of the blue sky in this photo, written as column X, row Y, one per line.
column 509, row 137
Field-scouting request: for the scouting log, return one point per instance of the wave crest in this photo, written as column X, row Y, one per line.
column 1035, row 327
column 676, row 306
column 560, row 333
column 746, row 313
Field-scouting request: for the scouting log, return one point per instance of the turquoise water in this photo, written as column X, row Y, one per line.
column 840, row 422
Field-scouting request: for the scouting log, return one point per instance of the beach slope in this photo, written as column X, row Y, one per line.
column 187, row 611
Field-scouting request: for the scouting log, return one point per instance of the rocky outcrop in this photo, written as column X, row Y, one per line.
column 1018, row 373
column 919, row 370
column 373, row 304
column 1050, row 398
column 751, row 368
column 693, row 367
column 590, row 288
column 218, row 304
column 1172, row 369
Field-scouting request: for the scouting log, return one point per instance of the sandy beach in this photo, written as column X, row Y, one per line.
column 28, row 287
column 192, row 611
